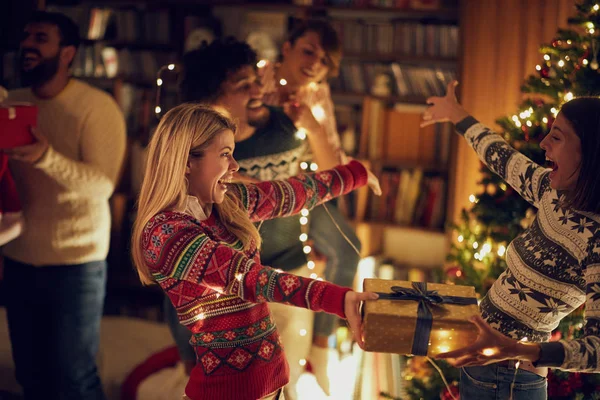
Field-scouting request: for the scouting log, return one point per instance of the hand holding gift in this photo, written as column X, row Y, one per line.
column 490, row 347
column 30, row 153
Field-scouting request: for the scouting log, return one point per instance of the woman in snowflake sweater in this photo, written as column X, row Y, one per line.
column 194, row 235
column 553, row 267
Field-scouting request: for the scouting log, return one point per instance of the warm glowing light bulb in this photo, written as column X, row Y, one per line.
column 585, row 61
column 518, row 124
column 171, row 67
column 157, row 109
column 538, row 67
column 561, row 63
column 303, row 220
column 529, row 123
column 313, row 276
column 488, row 352
column 569, row 96
column 314, row 166
column 301, row 133
column 310, row 265
column 303, row 165
column 303, row 237
column 545, row 120
column 546, row 57
column 302, row 332
column 302, row 362
column 501, row 250
column 159, row 82
column 282, row 82
column 460, row 238
column 472, row 198
column 596, row 7
column 304, row 212
column 475, row 245
column 261, row 63
column 318, row 112
column 307, row 249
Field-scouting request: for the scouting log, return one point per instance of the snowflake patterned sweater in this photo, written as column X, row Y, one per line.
column 553, row 267
column 220, row 290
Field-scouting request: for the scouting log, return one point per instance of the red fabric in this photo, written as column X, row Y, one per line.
column 9, row 198
column 220, row 290
column 15, row 124
column 163, row 359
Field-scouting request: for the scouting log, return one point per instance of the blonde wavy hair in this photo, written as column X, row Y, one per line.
column 164, row 188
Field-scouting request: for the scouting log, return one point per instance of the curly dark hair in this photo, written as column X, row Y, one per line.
column 205, row 69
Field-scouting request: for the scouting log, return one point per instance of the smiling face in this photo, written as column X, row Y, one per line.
column 209, row 170
column 306, row 61
column 563, row 152
column 42, row 55
column 242, row 97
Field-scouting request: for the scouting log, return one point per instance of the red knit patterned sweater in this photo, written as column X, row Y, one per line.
column 220, row 290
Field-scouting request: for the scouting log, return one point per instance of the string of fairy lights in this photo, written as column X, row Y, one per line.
column 301, row 134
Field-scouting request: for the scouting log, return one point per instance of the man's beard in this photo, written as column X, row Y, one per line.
column 261, row 120
column 41, row 73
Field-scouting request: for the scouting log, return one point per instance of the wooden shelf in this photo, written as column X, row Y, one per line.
column 442, row 14
column 393, row 225
column 405, row 59
column 163, row 47
column 103, row 81
column 357, row 98
column 403, row 164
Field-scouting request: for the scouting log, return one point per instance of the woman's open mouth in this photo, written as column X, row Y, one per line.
column 550, row 163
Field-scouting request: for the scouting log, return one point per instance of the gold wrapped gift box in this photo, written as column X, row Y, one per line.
column 389, row 325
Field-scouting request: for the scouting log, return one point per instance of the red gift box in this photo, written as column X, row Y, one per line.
column 15, row 122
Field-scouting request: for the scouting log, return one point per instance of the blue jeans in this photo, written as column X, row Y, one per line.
column 180, row 333
column 491, row 382
column 54, row 315
column 342, row 259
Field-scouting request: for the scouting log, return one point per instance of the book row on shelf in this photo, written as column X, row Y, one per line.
column 103, row 61
column 385, row 80
column 395, row 4
column 120, row 25
column 398, row 38
column 393, row 136
column 410, row 197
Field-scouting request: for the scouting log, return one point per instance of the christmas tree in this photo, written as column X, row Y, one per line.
column 568, row 69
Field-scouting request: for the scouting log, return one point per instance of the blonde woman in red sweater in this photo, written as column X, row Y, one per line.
column 194, row 235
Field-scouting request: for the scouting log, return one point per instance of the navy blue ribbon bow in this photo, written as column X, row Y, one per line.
column 426, row 299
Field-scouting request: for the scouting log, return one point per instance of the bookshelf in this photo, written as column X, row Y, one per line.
column 394, row 58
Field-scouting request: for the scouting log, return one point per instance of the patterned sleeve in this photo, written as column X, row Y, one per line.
column 583, row 354
column 530, row 180
column 176, row 248
column 273, row 199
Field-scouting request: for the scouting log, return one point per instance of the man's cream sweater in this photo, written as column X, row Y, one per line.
column 65, row 195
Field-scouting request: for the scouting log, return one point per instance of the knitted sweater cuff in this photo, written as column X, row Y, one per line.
column 333, row 298
column 465, row 124
column 552, row 354
column 359, row 172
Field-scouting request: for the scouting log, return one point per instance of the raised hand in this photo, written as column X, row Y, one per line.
column 443, row 109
